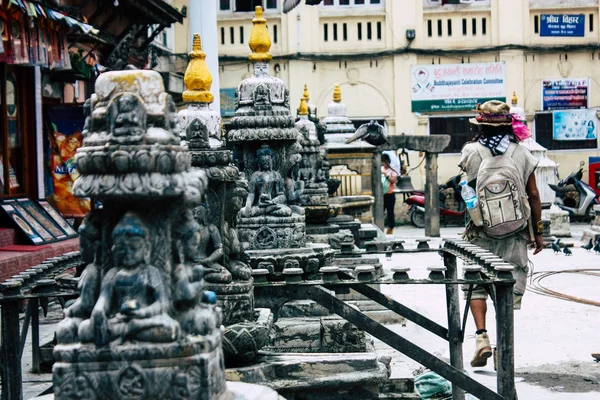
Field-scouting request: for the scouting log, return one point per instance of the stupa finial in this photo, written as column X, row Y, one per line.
column 337, row 94
column 306, row 95
column 197, row 77
column 260, row 41
column 514, row 99
column 303, row 109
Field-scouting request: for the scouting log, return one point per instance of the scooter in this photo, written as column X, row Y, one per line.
column 417, row 205
column 577, row 209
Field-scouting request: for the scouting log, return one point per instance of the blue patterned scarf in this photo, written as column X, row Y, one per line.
column 498, row 144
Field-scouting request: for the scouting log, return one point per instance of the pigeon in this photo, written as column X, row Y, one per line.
column 555, row 248
column 597, row 247
column 567, row 251
column 588, row 246
column 372, row 133
column 289, row 5
column 388, row 252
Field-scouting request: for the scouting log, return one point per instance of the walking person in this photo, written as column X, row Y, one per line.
column 389, row 177
column 502, row 171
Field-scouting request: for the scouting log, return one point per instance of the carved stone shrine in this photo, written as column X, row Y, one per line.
column 144, row 327
column 226, row 270
column 269, row 149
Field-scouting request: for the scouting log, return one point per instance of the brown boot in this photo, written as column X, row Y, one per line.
column 389, row 231
column 483, row 350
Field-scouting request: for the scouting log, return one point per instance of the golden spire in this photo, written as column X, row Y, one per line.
column 303, row 109
column 197, row 77
column 337, row 94
column 514, row 99
column 306, row 96
column 260, row 42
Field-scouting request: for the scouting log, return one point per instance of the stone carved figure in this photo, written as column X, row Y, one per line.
column 266, row 196
column 233, row 248
column 197, row 134
column 194, row 315
column 128, row 116
column 306, row 172
column 210, row 249
column 133, row 302
column 90, row 236
column 261, row 97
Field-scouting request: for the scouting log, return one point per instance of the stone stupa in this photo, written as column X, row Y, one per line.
column 144, row 327
column 268, row 149
column 227, row 272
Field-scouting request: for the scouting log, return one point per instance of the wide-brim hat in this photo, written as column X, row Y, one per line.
column 492, row 113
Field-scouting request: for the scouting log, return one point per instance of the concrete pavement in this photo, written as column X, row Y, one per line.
column 553, row 338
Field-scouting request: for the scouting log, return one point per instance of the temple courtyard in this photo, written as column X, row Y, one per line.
column 553, row 338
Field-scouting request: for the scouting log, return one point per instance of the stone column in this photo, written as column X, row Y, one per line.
column 432, row 198
column 202, row 15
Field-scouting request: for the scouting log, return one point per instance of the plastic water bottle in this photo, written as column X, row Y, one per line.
column 470, row 198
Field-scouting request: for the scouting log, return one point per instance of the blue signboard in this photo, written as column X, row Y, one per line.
column 562, row 25
column 227, row 102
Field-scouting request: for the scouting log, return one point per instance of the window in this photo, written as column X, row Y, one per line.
column 459, row 129
column 351, row 2
column 474, row 26
column 345, row 31
column 536, row 24
column 231, row 35
column 335, row 37
column 359, row 30
column 325, row 32
column 369, row 31
column 246, row 5
column 439, row 27
column 241, row 35
column 591, row 22
column 544, row 131
column 464, row 26
column 222, row 35
column 483, row 26
column 449, row 27
column 429, row 28
column 379, row 31
column 275, row 38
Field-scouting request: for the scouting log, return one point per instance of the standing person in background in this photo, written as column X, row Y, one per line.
column 389, row 177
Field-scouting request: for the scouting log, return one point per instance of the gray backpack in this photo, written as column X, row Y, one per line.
column 501, row 191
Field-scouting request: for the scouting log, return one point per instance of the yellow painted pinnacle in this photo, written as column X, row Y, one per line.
column 306, row 96
column 337, row 94
column 514, row 99
column 197, row 77
column 260, row 41
column 303, row 109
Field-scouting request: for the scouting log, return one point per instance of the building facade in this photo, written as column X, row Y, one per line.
column 422, row 65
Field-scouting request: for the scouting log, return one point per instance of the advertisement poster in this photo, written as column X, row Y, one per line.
column 227, row 102
column 563, row 94
column 574, row 125
column 456, row 87
column 64, row 138
column 571, row 25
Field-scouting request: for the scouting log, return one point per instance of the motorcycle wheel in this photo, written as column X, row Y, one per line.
column 417, row 218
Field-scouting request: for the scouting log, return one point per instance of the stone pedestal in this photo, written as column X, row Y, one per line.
column 273, row 232
column 560, row 224
column 594, row 231
column 192, row 369
column 310, row 259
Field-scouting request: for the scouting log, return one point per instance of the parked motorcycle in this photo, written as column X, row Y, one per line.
column 417, row 205
column 579, row 205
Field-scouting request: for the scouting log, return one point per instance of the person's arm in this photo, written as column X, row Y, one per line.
column 536, row 211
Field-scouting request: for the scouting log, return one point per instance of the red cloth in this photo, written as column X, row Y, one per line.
column 25, row 248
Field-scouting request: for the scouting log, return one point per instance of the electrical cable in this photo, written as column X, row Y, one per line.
column 535, row 285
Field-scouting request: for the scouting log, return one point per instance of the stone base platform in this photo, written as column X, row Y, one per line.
column 235, row 391
column 235, row 299
column 189, row 369
column 243, row 339
column 318, row 376
column 310, row 259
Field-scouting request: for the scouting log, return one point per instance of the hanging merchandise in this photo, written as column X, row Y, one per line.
column 19, row 38
column 6, row 54
column 64, row 138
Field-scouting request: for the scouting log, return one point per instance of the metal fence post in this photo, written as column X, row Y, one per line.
column 454, row 321
column 11, row 360
column 505, row 335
